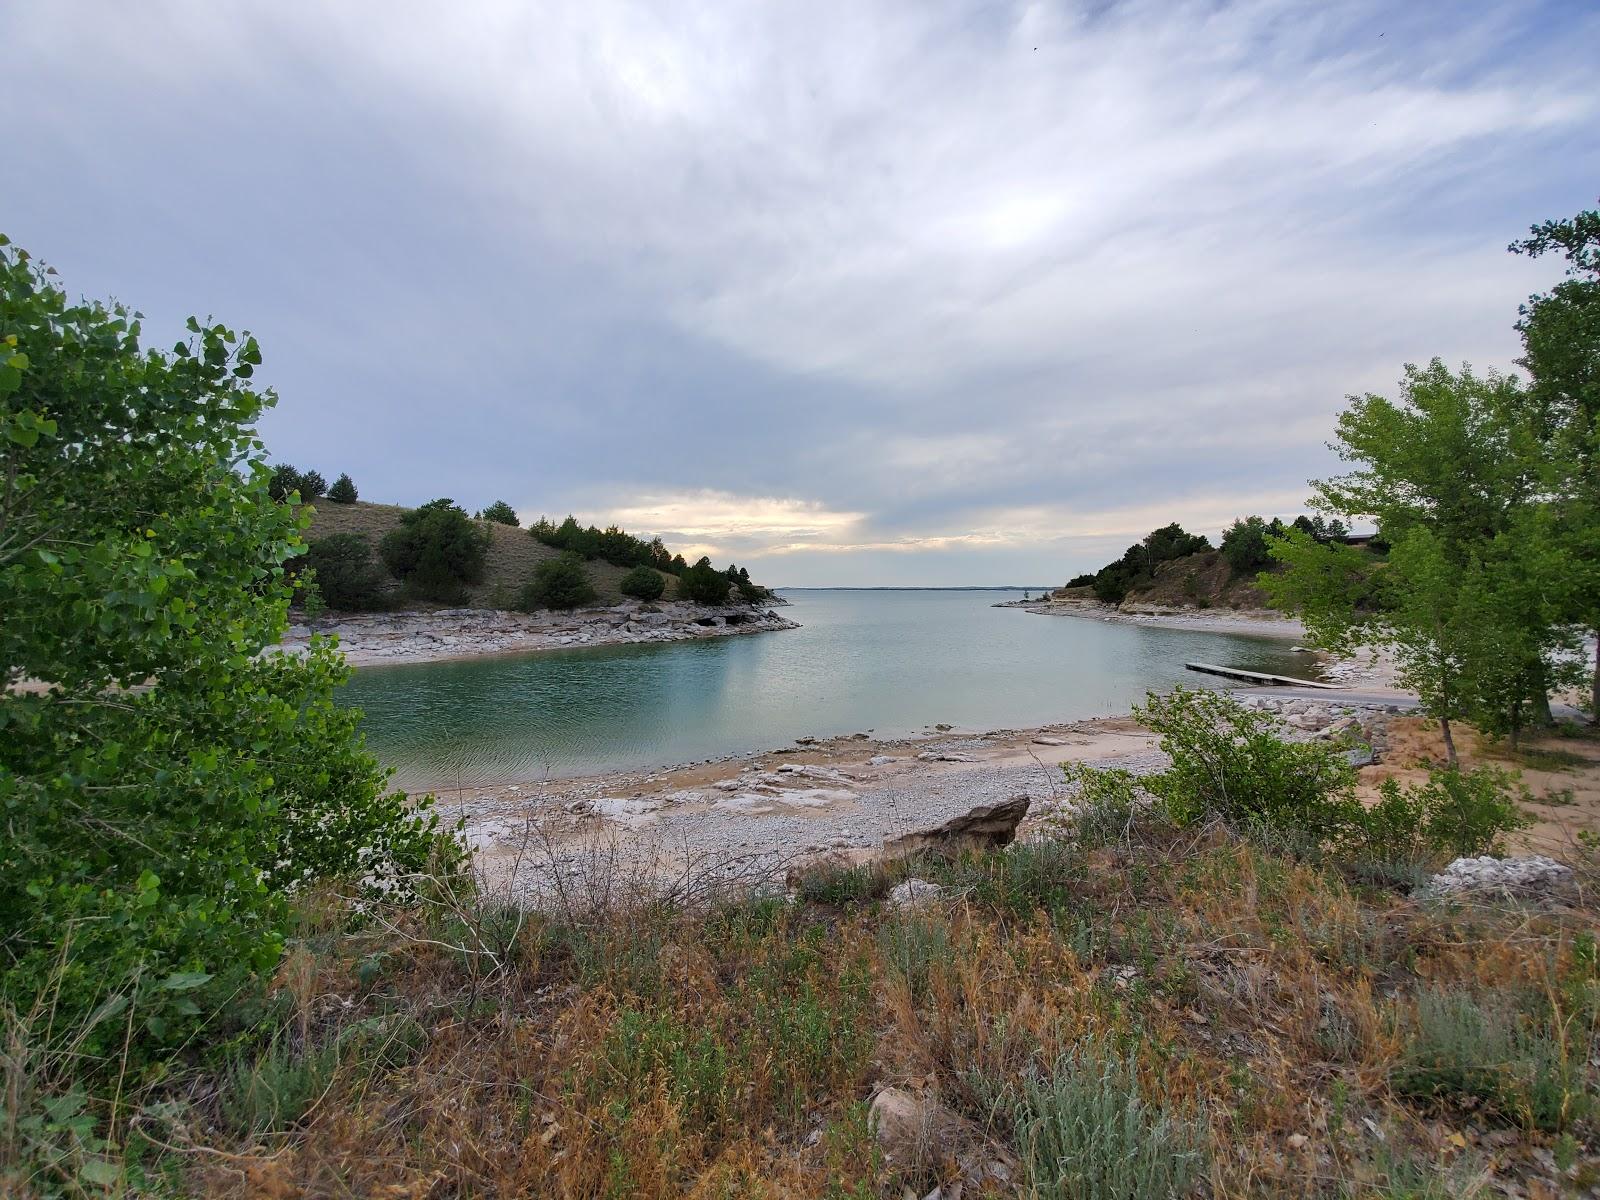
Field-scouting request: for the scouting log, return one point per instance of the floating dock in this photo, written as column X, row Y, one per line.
column 1261, row 677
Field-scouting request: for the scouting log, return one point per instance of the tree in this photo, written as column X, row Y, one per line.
column 343, row 490
column 560, row 583
column 1561, row 351
column 312, row 486
column 643, row 583
column 500, row 513
column 348, row 578
column 283, row 483
column 704, row 584
column 1447, row 473
column 1245, row 542
column 171, row 787
column 437, row 551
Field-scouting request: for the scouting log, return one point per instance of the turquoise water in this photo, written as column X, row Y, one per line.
column 889, row 662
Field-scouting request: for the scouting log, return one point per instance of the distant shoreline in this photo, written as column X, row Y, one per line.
column 455, row 634
column 1249, row 622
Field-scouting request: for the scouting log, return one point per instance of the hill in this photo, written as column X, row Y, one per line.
column 1203, row 580
column 513, row 553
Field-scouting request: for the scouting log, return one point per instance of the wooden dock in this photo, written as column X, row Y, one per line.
column 1261, row 677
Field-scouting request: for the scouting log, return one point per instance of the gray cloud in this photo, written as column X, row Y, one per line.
column 855, row 292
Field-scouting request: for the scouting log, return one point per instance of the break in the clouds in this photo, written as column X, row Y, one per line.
column 852, row 293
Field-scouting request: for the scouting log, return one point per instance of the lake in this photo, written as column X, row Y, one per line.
column 888, row 662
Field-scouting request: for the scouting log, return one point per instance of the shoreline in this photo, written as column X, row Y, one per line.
column 765, row 809
column 455, row 634
column 1244, row 622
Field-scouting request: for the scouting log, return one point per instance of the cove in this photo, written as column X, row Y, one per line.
column 889, row 662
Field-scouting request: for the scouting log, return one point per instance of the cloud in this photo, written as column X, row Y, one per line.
column 930, row 287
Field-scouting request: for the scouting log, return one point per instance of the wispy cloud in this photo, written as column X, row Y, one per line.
column 910, row 292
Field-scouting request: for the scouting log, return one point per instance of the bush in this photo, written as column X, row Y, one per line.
column 1455, row 814
column 173, row 786
column 312, row 486
column 1228, row 762
column 560, row 583
column 437, row 551
column 1482, row 1054
column 1085, row 1133
column 704, row 584
column 343, row 490
column 283, row 482
column 348, row 578
column 643, row 583
column 500, row 513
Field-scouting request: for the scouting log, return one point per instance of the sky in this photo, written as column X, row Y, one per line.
column 858, row 293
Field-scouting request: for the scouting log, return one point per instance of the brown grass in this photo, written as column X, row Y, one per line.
column 729, row 1048
column 513, row 553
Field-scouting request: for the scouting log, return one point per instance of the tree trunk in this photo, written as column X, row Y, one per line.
column 1594, row 706
column 1541, row 698
column 1449, row 741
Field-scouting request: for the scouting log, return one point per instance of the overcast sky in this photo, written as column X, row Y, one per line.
column 856, row 293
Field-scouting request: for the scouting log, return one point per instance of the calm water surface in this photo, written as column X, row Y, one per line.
column 890, row 662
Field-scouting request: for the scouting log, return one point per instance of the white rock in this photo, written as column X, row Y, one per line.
column 879, row 760
column 914, row 893
column 1487, row 873
column 1042, row 740
column 629, row 811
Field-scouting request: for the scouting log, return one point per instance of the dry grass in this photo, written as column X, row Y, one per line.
column 513, row 554
column 729, row 1047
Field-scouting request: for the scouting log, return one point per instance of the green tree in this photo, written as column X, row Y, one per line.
column 312, row 486
column 283, row 482
column 171, row 786
column 1245, row 543
column 437, row 551
column 643, row 583
column 1448, row 474
column 704, row 584
column 350, row 581
column 343, row 490
column 1561, row 351
column 560, row 583
column 500, row 513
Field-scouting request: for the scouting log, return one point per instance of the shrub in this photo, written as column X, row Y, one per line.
column 1423, row 826
column 283, row 482
column 500, row 513
column 1481, row 1053
column 350, row 581
column 1086, row 1134
column 436, row 551
column 173, row 786
column 560, row 583
column 312, row 486
column 643, row 583
column 343, row 490
column 1228, row 762
column 703, row 584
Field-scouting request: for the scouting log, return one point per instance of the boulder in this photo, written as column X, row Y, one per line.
column 1043, row 740
column 918, row 1135
column 987, row 827
column 1534, row 875
column 914, row 893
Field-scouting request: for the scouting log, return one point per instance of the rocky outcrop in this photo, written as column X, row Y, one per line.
column 1532, row 876
column 987, row 827
column 398, row 637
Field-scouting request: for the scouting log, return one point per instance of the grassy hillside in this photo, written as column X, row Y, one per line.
column 513, row 554
column 1203, row 580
